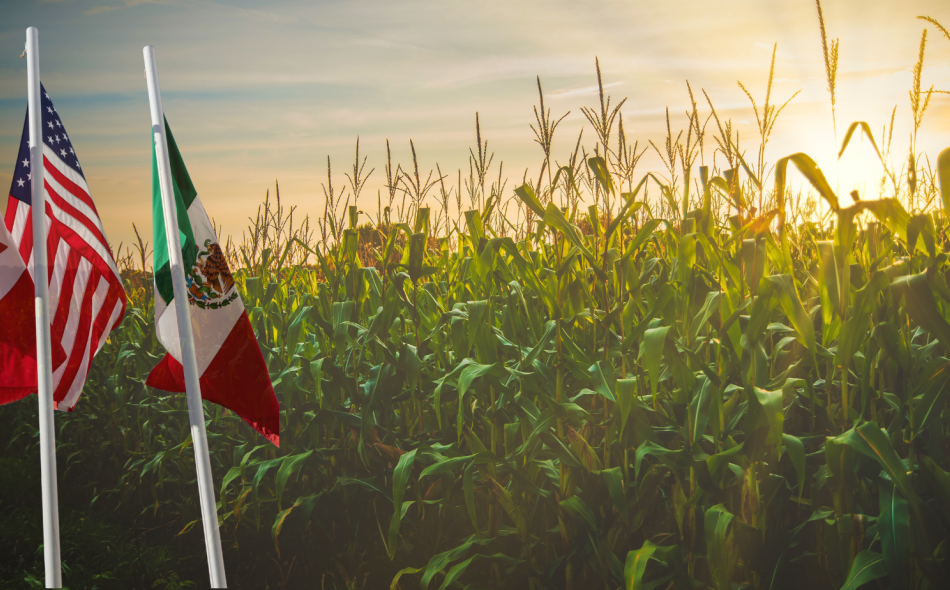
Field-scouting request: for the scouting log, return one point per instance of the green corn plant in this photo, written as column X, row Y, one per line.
column 723, row 398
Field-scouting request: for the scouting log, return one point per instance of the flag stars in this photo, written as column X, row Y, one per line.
column 19, row 182
column 57, row 140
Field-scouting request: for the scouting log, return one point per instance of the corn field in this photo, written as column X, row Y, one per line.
column 602, row 378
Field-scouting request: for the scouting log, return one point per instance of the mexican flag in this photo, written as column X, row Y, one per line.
column 232, row 369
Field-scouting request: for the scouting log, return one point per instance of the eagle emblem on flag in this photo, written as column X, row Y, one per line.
column 210, row 284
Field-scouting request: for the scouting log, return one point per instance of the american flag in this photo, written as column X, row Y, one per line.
column 86, row 298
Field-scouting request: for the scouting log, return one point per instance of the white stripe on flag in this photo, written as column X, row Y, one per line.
column 83, row 232
column 72, row 322
column 79, row 204
column 19, row 222
column 112, row 320
column 75, row 388
column 29, row 261
column 56, row 282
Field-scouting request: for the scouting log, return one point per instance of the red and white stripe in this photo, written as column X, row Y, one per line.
column 87, row 300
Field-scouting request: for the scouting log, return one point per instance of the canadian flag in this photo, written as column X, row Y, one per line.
column 17, row 324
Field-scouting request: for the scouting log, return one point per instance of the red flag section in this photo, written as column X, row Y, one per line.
column 17, row 332
column 237, row 379
column 17, row 325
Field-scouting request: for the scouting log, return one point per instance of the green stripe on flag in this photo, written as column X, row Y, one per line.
column 184, row 195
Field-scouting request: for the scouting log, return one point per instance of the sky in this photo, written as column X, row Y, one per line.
column 260, row 92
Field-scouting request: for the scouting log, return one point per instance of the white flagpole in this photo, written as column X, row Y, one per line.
column 44, row 355
column 209, row 514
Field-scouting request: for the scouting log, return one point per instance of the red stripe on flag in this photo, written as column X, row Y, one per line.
column 237, row 379
column 12, row 205
column 52, row 243
column 26, row 243
column 64, row 206
column 101, row 321
column 73, row 188
column 76, row 242
column 66, row 292
column 78, row 351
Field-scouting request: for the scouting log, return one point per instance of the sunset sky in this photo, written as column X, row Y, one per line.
column 261, row 91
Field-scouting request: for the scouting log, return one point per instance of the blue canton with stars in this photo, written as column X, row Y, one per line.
column 54, row 136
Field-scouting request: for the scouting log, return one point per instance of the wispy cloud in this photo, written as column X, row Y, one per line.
column 256, row 14
column 123, row 4
column 100, row 9
column 584, row 91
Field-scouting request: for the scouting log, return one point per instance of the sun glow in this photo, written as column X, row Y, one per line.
column 859, row 169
